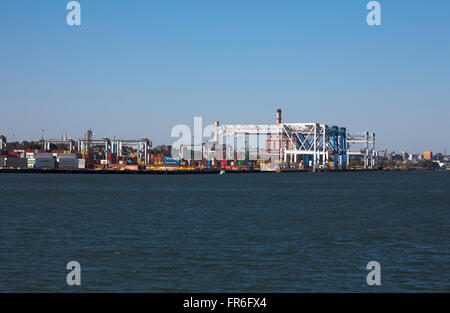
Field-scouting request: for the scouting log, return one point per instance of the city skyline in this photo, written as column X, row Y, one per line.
column 138, row 70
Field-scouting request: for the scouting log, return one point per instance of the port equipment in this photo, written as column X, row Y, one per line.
column 314, row 142
column 142, row 147
column 187, row 152
column 116, row 146
column 294, row 140
column 66, row 141
column 368, row 152
column 85, row 144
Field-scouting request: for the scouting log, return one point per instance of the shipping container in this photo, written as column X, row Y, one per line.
column 43, row 156
column 132, row 161
column 81, row 163
column 15, row 162
column 44, row 160
column 67, row 161
column 171, row 161
column 66, row 156
column 44, row 163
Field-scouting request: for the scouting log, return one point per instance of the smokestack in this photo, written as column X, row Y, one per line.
column 216, row 135
column 278, row 116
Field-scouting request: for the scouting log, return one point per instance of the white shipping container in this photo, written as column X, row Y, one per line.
column 81, row 163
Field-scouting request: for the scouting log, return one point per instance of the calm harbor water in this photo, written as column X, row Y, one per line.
column 301, row 232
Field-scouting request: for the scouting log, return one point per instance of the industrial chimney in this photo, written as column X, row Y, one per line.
column 278, row 116
column 216, row 135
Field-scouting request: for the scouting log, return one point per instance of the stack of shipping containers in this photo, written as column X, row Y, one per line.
column 30, row 159
column 15, row 162
column 157, row 159
column 44, row 160
column 67, row 161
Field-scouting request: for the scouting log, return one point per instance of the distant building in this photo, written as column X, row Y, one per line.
column 439, row 157
column 381, row 155
column 428, row 155
column 390, row 156
column 405, row 156
column 413, row 157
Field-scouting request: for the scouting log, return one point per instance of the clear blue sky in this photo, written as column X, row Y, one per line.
column 137, row 68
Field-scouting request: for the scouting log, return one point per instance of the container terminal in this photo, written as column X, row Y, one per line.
column 263, row 148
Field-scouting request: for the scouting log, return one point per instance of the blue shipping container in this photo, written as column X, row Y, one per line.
column 171, row 161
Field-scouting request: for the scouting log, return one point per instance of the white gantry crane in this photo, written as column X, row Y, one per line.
column 315, row 144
